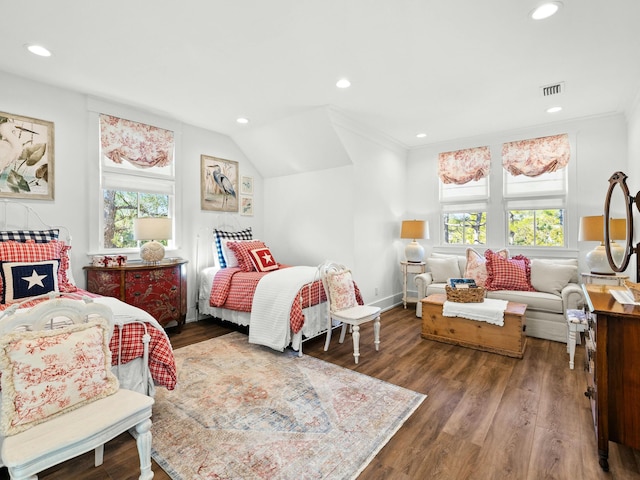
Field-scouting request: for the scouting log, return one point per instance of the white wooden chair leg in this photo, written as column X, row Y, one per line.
column 376, row 333
column 99, row 455
column 328, row 340
column 143, row 440
column 356, row 342
column 343, row 332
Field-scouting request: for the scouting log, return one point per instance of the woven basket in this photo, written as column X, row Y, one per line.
column 465, row 295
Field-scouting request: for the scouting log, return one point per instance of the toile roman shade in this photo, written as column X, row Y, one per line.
column 462, row 166
column 536, row 156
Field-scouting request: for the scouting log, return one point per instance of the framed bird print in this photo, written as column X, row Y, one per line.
column 218, row 184
column 26, row 157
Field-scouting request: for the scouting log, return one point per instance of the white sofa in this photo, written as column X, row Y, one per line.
column 555, row 281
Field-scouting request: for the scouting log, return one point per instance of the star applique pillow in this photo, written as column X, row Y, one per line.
column 263, row 260
column 28, row 279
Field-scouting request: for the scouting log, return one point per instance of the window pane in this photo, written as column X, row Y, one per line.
column 465, row 228
column 539, row 228
column 120, row 208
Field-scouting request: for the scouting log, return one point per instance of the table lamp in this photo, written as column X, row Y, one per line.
column 592, row 230
column 153, row 229
column 414, row 229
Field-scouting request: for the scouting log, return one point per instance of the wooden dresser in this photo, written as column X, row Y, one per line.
column 613, row 370
column 159, row 289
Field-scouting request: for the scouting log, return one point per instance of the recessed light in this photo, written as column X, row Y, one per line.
column 39, row 50
column 554, row 109
column 421, row 135
column 545, row 10
column 343, row 83
column 242, row 120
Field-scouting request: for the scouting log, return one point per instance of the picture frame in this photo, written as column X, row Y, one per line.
column 27, row 159
column 246, row 205
column 218, row 184
column 246, row 185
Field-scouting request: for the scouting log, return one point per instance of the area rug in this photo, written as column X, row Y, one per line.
column 243, row 411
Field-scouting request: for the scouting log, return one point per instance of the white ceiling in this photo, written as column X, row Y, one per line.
column 451, row 69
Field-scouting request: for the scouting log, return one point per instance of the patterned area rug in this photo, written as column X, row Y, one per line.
column 243, row 411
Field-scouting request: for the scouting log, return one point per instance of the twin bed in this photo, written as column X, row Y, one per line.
column 142, row 356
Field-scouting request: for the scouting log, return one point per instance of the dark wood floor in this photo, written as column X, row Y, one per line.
column 486, row 416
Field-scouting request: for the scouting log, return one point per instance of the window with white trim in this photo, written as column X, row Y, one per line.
column 136, row 178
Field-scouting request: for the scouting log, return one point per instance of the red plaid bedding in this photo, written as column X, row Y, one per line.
column 161, row 361
column 233, row 289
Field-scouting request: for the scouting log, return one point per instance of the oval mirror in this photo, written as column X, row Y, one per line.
column 618, row 225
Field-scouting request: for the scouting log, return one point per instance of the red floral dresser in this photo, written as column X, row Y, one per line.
column 160, row 289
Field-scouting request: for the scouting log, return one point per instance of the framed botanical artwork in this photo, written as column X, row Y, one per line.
column 246, row 185
column 246, row 205
column 26, row 157
column 218, row 184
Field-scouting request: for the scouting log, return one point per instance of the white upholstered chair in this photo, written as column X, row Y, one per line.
column 344, row 308
column 31, row 444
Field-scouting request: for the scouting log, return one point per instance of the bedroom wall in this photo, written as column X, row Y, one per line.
column 600, row 148
column 76, row 169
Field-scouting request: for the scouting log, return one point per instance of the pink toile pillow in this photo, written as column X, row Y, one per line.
column 477, row 265
column 48, row 372
column 508, row 273
column 341, row 290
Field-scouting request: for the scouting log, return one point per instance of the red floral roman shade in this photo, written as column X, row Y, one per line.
column 141, row 145
column 462, row 166
column 536, row 156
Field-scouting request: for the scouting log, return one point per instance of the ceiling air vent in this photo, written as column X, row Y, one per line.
column 553, row 89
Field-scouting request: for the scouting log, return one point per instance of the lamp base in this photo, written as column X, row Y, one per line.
column 597, row 261
column 414, row 252
column 153, row 252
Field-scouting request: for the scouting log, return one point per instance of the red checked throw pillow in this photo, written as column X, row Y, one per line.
column 263, row 260
column 242, row 250
column 508, row 273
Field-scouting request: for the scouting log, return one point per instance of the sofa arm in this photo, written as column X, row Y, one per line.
column 572, row 297
column 422, row 281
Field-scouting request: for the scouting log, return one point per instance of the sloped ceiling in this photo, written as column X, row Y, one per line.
column 303, row 142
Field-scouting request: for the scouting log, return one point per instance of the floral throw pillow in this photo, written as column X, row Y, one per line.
column 341, row 291
column 477, row 265
column 508, row 273
column 48, row 372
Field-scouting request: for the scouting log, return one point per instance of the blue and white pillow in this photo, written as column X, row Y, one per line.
column 245, row 234
column 38, row 236
column 22, row 280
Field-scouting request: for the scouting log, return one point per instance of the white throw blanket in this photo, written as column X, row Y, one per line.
column 491, row 310
column 271, row 307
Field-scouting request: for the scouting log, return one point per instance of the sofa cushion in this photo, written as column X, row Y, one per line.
column 507, row 274
column 476, row 267
column 550, row 277
column 462, row 260
column 535, row 301
column 444, row 268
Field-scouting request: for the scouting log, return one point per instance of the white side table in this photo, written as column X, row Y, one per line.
column 576, row 323
column 410, row 268
column 601, row 279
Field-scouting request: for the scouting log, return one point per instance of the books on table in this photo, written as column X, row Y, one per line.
column 462, row 283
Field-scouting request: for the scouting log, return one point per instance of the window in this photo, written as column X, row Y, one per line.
column 465, row 228
column 137, row 178
column 535, row 189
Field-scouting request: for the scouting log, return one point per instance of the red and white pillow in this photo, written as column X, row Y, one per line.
column 508, row 273
column 242, row 251
column 263, row 260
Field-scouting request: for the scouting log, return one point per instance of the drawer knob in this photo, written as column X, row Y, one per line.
column 590, row 393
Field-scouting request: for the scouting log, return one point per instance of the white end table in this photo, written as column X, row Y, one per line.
column 410, row 268
column 576, row 323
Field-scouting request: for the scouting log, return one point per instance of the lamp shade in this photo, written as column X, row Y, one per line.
column 618, row 229
column 591, row 229
column 414, row 229
column 152, row 228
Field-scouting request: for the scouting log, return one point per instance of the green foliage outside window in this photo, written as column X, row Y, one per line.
column 120, row 208
column 536, row 228
column 465, row 228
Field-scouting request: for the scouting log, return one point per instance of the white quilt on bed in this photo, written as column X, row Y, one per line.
column 271, row 307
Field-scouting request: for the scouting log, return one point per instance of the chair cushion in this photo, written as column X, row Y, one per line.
column 341, row 290
column 362, row 313
column 49, row 372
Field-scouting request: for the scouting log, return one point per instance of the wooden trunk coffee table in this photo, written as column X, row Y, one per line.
column 509, row 340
